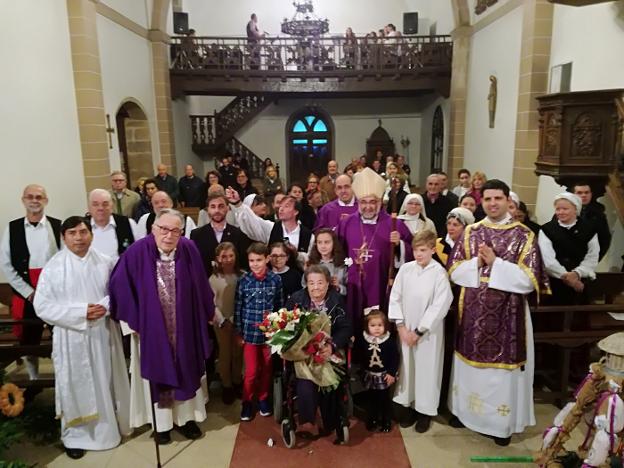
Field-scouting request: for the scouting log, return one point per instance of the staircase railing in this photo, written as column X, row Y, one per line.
column 256, row 163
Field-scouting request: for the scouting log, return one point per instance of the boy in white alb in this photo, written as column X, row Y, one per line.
column 419, row 315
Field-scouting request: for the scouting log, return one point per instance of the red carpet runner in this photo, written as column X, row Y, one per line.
column 364, row 450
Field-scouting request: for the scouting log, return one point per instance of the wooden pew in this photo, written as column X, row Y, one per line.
column 580, row 325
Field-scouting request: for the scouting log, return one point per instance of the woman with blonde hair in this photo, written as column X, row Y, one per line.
column 413, row 214
column 478, row 179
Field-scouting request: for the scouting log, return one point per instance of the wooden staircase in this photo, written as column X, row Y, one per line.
column 215, row 135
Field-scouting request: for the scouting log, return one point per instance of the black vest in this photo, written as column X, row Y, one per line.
column 123, row 231
column 20, row 256
column 570, row 245
column 277, row 235
column 150, row 222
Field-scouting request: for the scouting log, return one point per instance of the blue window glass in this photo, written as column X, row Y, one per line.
column 319, row 142
column 300, row 142
column 310, row 119
column 299, row 126
column 320, row 126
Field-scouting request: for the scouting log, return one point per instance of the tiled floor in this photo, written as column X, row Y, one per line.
column 441, row 447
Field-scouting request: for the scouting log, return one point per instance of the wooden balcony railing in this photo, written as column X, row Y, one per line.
column 325, row 59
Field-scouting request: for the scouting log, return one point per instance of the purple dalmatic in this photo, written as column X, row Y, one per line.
column 492, row 326
column 368, row 246
column 330, row 214
column 174, row 340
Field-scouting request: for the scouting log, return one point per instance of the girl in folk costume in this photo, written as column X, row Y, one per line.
column 223, row 283
column 457, row 219
column 381, row 367
column 327, row 251
column 419, row 315
column 414, row 216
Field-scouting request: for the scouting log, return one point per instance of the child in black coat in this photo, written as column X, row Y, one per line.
column 381, row 366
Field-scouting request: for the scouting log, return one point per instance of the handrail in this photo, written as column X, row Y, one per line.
column 405, row 54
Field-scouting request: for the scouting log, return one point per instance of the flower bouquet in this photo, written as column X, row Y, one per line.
column 302, row 336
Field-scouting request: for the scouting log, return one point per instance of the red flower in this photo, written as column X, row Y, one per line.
column 281, row 325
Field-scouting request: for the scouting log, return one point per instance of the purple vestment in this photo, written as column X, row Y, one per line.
column 367, row 282
column 330, row 215
column 491, row 330
column 134, row 298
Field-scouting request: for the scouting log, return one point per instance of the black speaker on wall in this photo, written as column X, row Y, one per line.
column 410, row 23
column 180, row 22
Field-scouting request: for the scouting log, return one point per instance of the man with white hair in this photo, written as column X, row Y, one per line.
column 344, row 205
column 169, row 324
column 436, row 204
column 160, row 201
column 368, row 237
column 112, row 233
column 125, row 201
column 27, row 244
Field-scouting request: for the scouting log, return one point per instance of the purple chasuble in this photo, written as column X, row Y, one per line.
column 330, row 215
column 175, row 364
column 491, row 329
column 367, row 280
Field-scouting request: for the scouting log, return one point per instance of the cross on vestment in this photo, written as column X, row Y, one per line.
column 110, row 130
column 363, row 254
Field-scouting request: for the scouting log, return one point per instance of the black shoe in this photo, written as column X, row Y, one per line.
column 456, row 423
column 502, row 441
column 190, row 430
column 371, row 424
column 163, row 438
column 386, row 426
column 423, row 424
column 228, row 396
column 74, row 453
column 409, row 418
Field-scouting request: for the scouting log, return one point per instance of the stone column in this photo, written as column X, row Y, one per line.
column 89, row 97
column 162, row 93
column 459, row 86
column 534, row 67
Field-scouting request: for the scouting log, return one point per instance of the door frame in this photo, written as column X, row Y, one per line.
column 298, row 114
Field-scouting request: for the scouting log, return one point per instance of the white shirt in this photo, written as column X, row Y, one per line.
column 460, row 191
column 586, row 269
column 218, row 232
column 41, row 246
column 105, row 238
column 351, row 203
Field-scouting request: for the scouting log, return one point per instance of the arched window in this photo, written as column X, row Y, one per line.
column 437, row 140
column 310, row 143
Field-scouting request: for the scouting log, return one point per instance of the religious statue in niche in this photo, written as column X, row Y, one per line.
column 492, row 99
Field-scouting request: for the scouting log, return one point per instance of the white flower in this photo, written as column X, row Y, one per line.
column 290, row 326
column 348, row 261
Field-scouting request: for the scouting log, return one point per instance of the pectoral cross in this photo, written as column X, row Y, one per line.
column 110, row 130
column 363, row 254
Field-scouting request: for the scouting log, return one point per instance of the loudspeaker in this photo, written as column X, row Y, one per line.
column 410, row 23
column 180, row 22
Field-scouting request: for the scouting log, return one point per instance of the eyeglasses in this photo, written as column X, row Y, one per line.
column 34, row 197
column 119, row 180
column 175, row 232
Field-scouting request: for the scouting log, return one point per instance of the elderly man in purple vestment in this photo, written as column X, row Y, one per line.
column 367, row 236
column 497, row 264
column 160, row 292
column 335, row 211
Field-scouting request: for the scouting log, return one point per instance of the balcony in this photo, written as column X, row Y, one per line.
column 408, row 65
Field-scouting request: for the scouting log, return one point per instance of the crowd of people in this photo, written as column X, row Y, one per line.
column 385, row 264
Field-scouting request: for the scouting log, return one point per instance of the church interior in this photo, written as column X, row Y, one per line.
column 530, row 92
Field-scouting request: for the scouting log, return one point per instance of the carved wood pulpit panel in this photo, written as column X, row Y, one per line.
column 580, row 136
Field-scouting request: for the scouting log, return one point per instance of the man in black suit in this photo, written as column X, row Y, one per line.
column 218, row 230
column 593, row 212
column 437, row 205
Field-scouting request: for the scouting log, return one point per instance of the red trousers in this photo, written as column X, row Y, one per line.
column 257, row 378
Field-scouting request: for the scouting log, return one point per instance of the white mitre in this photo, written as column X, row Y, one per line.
column 368, row 183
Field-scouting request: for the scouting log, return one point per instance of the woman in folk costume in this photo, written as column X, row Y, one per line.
column 457, row 219
column 413, row 214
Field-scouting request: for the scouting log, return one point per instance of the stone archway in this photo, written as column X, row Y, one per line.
column 135, row 145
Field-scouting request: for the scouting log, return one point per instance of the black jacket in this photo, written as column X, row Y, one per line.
column 341, row 330
column 206, row 241
column 594, row 214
